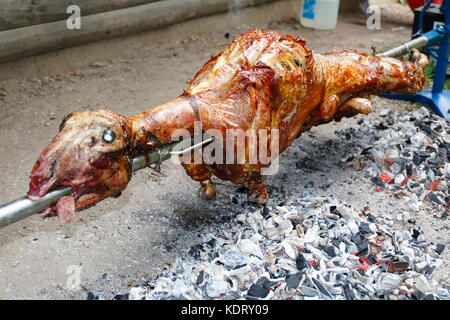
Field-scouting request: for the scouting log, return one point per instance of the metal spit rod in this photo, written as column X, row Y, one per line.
column 24, row 207
column 406, row 47
column 427, row 38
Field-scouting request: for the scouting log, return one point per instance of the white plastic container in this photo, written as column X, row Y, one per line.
column 319, row 14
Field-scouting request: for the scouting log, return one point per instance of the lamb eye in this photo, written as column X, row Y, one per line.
column 108, row 136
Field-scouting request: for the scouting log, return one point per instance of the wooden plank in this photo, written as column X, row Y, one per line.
column 23, row 13
column 27, row 41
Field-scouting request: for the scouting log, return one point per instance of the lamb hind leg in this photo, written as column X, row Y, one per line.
column 257, row 191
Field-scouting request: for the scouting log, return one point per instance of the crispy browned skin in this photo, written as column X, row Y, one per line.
column 263, row 80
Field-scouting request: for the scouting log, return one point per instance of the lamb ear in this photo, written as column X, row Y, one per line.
column 66, row 117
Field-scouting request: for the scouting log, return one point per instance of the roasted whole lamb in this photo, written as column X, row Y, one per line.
column 263, row 80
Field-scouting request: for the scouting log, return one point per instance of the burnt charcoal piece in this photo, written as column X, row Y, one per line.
column 91, row 296
column 124, row 296
column 201, row 277
column 381, row 126
column 261, row 288
column 439, row 248
column 336, row 242
column 364, row 228
column 361, row 271
column 377, row 182
column 211, row 242
column 415, row 233
column 265, row 212
column 195, row 250
column 433, row 198
column 361, row 244
column 424, row 154
column 258, row 291
column 242, row 189
column 409, row 169
column 309, row 184
column 424, row 127
column 372, row 259
column 293, row 280
column 417, row 159
column 401, row 162
column 263, row 281
column 336, row 212
column 366, row 151
column 440, row 158
column 349, row 295
column 321, row 288
column 428, row 270
column 301, row 262
column 330, row 251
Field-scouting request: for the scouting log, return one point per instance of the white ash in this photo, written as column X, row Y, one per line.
column 407, row 155
column 303, row 246
column 316, row 252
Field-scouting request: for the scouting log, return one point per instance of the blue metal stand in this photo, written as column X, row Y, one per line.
column 437, row 98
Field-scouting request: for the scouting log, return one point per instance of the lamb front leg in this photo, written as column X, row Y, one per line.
column 199, row 172
column 353, row 107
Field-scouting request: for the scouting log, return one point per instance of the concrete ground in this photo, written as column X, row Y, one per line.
column 122, row 242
